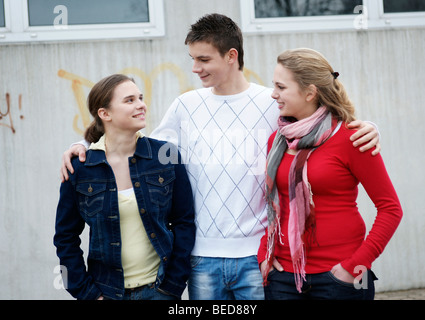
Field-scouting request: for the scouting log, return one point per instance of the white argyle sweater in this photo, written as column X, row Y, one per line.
column 223, row 142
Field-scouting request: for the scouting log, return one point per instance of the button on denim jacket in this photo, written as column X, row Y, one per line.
column 90, row 196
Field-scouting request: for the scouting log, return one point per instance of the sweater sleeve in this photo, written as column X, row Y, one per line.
column 370, row 171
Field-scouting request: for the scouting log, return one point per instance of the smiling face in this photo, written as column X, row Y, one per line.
column 127, row 109
column 212, row 68
column 293, row 102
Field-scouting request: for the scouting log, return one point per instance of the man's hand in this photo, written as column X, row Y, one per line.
column 366, row 133
column 76, row 150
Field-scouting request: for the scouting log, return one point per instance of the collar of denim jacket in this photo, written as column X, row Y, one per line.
column 97, row 150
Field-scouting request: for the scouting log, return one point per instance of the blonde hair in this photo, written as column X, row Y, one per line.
column 310, row 67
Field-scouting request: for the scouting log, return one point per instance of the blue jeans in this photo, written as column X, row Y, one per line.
column 147, row 292
column 225, row 279
column 318, row 286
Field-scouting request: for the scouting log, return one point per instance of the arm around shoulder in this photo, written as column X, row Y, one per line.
column 77, row 149
column 367, row 136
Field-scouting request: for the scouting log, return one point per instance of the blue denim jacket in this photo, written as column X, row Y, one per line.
column 164, row 198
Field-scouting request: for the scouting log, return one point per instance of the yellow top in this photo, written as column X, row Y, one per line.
column 139, row 259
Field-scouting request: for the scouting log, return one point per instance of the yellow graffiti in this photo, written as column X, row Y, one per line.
column 249, row 74
column 78, row 84
column 8, row 113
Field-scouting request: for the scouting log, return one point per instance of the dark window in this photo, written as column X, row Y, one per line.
column 394, row 6
column 80, row 12
column 2, row 20
column 299, row 8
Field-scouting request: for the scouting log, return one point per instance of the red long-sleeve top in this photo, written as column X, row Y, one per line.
column 334, row 171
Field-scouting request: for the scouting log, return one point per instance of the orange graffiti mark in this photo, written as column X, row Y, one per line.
column 251, row 74
column 8, row 113
column 77, row 84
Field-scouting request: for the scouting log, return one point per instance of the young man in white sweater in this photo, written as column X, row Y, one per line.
column 221, row 132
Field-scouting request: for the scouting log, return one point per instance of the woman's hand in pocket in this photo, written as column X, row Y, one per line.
column 340, row 273
column 276, row 265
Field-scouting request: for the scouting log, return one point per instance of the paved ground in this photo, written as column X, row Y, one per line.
column 413, row 294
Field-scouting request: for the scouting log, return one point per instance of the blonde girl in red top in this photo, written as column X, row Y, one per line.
column 315, row 245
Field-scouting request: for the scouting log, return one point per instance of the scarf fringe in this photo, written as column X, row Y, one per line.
column 299, row 269
column 274, row 231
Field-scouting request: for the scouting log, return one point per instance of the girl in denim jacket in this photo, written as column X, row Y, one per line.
column 139, row 207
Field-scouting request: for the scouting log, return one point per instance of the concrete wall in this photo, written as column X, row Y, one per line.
column 47, row 84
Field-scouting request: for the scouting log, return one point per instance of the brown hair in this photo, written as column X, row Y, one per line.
column 221, row 32
column 310, row 67
column 100, row 96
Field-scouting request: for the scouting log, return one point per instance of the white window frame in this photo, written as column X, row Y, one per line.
column 17, row 29
column 373, row 17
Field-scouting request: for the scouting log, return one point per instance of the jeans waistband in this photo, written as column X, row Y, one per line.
column 130, row 290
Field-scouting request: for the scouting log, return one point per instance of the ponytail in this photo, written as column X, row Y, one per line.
column 94, row 131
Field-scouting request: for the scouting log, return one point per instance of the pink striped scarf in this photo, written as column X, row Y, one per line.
column 304, row 136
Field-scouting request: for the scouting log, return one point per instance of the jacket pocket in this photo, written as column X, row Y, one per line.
column 91, row 196
column 160, row 186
